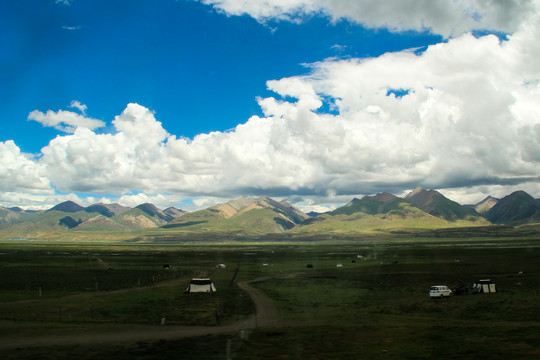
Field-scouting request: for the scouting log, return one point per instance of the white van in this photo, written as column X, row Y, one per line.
column 438, row 291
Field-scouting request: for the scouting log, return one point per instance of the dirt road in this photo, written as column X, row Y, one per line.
column 266, row 315
column 118, row 334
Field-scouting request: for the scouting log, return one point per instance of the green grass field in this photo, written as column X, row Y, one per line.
column 376, row 307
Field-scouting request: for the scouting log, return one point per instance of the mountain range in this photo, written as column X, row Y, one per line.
column 98, row 217
column 242, row 216
column 382, row 213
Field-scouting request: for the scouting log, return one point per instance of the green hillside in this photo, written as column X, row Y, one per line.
column 421, row 211
column 137, row 219
column 51, row 218
column 399, row 215
column 254, row 222
column 9, row 216
column 202, row 220
column 436, row 204
column 102, row 223
column 154, row 213
column 378, row 204
column 108, row 210
column 240, row 216
column 515, row 209
column 262, row 221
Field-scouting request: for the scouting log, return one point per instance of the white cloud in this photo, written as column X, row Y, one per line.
column 66, row 121
column 77, row 104
column 158, row 200
column 307, row 208
column 21, row 172
column 138, row 123
column 133, row 158
column 467, row 117
column 475, row 194
column 27, row 201
column 30, row 201
column 264, row 10
column 445, row 17
column 71, row 28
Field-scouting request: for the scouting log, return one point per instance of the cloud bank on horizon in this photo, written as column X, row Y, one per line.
column 463, row 115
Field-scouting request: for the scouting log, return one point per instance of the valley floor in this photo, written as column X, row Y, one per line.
column 61, row 303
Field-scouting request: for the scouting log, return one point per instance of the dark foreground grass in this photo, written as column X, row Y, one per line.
column 362, row 341
column 376, row 307
column 399, row 340
column 205, row 347
column 113, row 287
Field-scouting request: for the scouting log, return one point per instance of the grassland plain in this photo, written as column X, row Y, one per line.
column 375, row 306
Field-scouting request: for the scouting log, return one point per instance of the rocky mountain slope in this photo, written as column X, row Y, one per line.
column 107, row 210
column 15, row 215
column 258, row 216
column 514, row 209
column 436, row 204
column 485, row 205
column 67, row 207
column 73, row 217
column 420, row 210
column 384, row 212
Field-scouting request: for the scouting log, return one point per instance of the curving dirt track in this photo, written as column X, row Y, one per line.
column 266, row 315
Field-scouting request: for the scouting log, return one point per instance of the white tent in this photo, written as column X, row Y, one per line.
column 204, row 285
column 485, row 286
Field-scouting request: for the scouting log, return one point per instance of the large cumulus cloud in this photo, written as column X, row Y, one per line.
column 132, row 158
column 20, row 172
column 464, row 114
column 444, row 17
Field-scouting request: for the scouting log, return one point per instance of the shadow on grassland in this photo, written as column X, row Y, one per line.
column 180, row 225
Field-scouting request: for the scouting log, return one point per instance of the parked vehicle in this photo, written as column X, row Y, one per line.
column 439, row 291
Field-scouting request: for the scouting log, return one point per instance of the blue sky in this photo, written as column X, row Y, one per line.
column 198, row 69
column 218, row 80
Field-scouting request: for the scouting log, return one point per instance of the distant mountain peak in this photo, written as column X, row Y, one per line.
column 232, row 207
column 67, row 206
column 153, row 211
column 383, row 197
column 376, row 204
column 436, row 204
column 485, row 205
column 147, row 206
column 108, row 210
column 244, row 216
column 282, row 207
column 352, row 202
column 266, row 201
column 516, row 208
column 174, row 212
column 421, row 196
column 415, row 192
